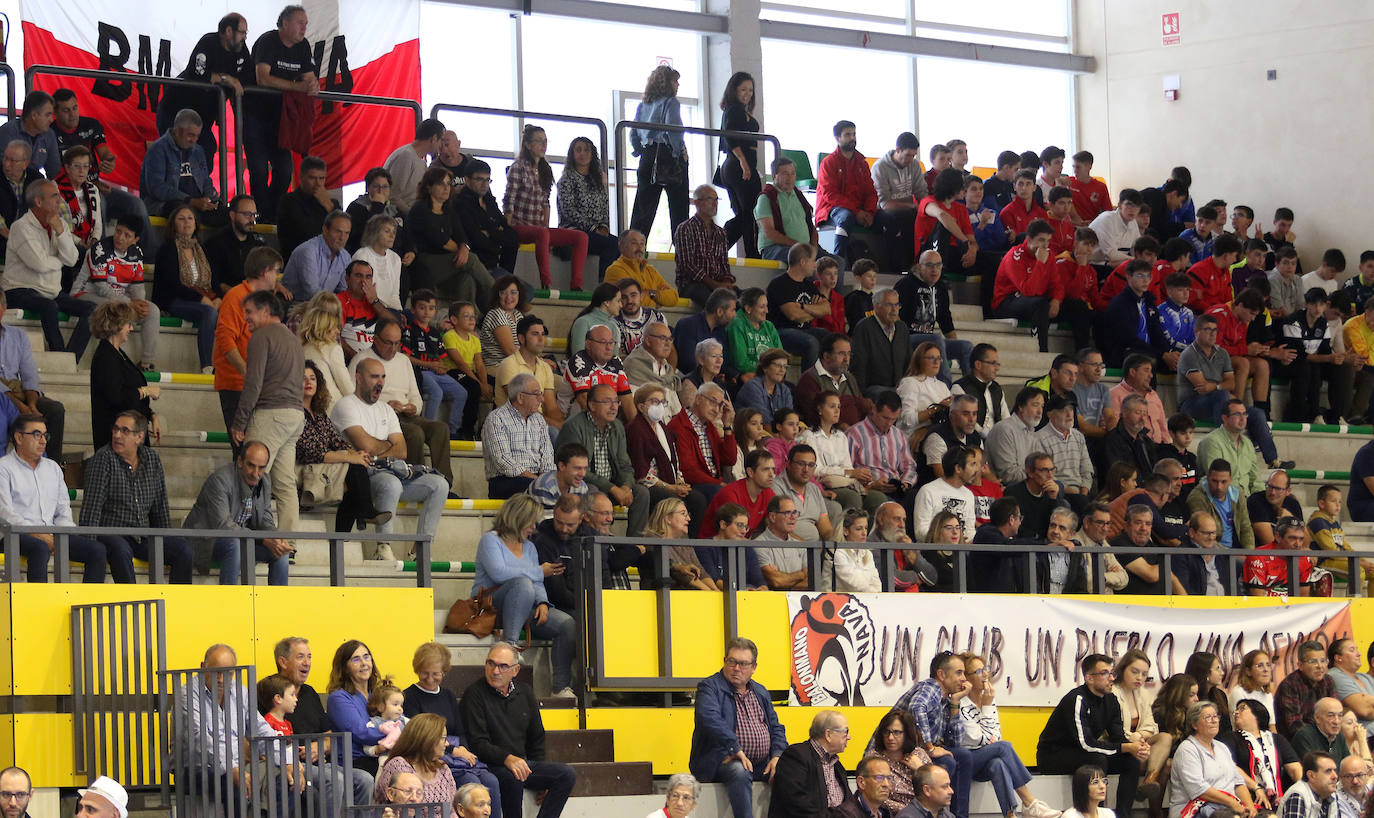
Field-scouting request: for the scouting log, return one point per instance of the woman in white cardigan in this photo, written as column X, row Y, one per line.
column 852, row 569
column 1137, row 718
column 921, row 388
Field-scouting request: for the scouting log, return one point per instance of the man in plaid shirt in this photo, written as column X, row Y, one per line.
column 934, row 704
column 702, row 250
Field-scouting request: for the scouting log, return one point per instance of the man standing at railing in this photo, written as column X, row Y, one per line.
column 282, row 61
column 219, row 58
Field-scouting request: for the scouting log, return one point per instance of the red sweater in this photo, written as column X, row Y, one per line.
column 736, row 492
column 835, row 320
column 1077, row 280
column 690, row 459
column 846, row 183
column 1090, row 198
column 1230, row 329
column 1062, row 240
column 1211, row 285
column 1021, row 272
column 1018, row 218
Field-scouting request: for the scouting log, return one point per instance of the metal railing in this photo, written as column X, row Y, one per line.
column 10, row 92
column 593, row 559
column 425, row 810
column 247, row 539
column 284, row 783
column 125, row 76
column 324, row 96
column 620, row 152
column 207, row 715
column 117, row 650
column 513, row 113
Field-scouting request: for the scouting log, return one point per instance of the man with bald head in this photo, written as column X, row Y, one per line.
column 401, row 392
column 371, row 425
column 597, row 363
column 1323, row 733
column 40, row 245
column 925, row 312
column 405, row 788
column 1350, row 795
column 213, row 718
column 810, row 781
column 515, row 439
column 238, row 495
column 506, row 732
column 702, row 247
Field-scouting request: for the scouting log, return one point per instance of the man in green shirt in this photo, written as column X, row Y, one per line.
column 783, row 214
column 1230, row 443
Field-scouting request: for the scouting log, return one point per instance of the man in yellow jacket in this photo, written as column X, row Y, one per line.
column 632, row 265
column 1359, row 342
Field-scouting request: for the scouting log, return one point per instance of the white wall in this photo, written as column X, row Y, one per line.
column 1302, row 141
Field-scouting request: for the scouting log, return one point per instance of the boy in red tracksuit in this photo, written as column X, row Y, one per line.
column 1078, row 279
column 1233, row 323
column 1060, row 201
column 1018, row 215
column 1145, row 248
column 1212, row 276
column 1026, row 287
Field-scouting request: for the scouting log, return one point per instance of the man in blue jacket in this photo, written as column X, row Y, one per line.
column 176, row 172
column 737, row 739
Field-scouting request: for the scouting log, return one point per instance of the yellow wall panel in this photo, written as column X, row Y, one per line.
column 43, row 746
column 391, row 621
column 631, row 619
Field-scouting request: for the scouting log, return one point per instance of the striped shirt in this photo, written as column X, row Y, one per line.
column 886, row 454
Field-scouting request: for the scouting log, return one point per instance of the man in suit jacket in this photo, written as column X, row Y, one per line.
column 655, row 457
column 710, row 416
column 737, row 738
column 810, row 780
column 881, row 346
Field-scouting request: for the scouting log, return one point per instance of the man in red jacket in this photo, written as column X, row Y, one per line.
column 844, row 192
column 1078, row 279
column 1026, row 287
column 704, row 438
column 1248, row 359
column 1212, row 276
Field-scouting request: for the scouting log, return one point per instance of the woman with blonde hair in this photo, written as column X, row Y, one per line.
column 670, row 520
column 320, row 324
column 508, row 565
column 378, row 240
column 662, row 154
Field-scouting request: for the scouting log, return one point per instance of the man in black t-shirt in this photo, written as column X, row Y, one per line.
column 1270, row 504
column 794, row 302
column 282, row 61
column 219, row 58
column 228, row 249
column 73, row 129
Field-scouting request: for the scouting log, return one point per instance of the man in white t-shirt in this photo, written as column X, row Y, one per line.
column 951, row 491
column 372, row 427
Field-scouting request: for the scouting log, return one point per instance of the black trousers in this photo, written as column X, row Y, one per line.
column 744, row 194
column 1066, row 761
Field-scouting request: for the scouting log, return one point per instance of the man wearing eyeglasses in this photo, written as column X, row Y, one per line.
column 1086, row 728
column 597, row 363
column 934, row 705
column 648, row 363
column 405, row 788
column 1351, row 794
column 16, row 788
column 873, row 783
column 737, row 738
column 1296, row 697
column 506, row 732
column 784, row 569
column 810, row 780
column 228, row 249
column 1270, row 504
column 34, row 492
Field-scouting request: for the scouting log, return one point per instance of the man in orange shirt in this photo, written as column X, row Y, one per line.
column 260, row 272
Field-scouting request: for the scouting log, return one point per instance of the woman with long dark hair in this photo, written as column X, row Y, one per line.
column 529, row 180
column 898, row 741
column 353, row 675
column 584, row 203
column 662, row 154
column 739, row 173
column 1205, row 669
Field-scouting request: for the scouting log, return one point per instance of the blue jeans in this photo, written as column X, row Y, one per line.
column 434, row 388
column 997, row 763
column 959, row 765
column 120, row 551
column 805, row 342
column 775, row 252
column 431, row 490
column 206, row 318
column 949, row 348
column 88, row 552
column 1210, row 407
column 558, row 779
column 47, row 308
column 229, row 555
column 739, row 785
column 515, row 599
column 847, row 221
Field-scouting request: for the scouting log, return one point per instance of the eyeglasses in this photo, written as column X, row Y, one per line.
column 789, row 514
column 252, row 214
column 1321, row 660
column 538, row 394
column 499, row 667
column 1268, row 487
column 681, row 796
column 1346, row 776
column 80, row 166
column 360, row 659
column 409, row 792
column 881, row 779
column 1097, row 781
column 747, row 663
column 894, row 733
column 1105, row 673
column 15, row 796
column 124, row 430
column 37, row 435
column 608, row 341
column 844, row 731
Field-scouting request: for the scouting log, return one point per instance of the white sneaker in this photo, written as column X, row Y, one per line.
column 1039, row 809
column 384, row 553
column 567, row 693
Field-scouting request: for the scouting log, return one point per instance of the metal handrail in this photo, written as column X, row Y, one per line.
column 424, row 574
column 621, row 221
column 128, row 76
column 10, row 112
column 325, row 96
column 600, row 124
column 593, row 559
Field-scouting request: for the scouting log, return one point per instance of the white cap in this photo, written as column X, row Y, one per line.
column 111, row 791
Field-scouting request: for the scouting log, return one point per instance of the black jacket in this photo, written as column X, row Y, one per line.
column 850, row 808
column 1082, row 722
column 310, row 716
column 361, row 212
column 989, row 395
column 300, row 218
column 798, row 789
column 1121, row 322
column 489, row 234
column 876, row 360
column 499, row 726
column 227, row 255
column 924, row 305
column 11, row 203
column 562, row 589
column 115, row 381
column 1117, row 446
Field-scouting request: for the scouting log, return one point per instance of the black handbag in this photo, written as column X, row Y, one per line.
column 665, row 167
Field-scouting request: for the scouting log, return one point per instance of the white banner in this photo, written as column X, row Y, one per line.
column 868, row 649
